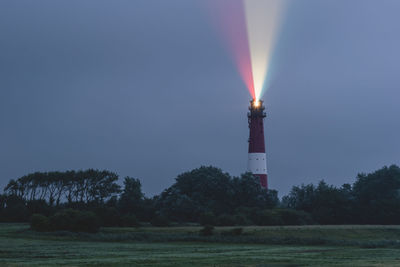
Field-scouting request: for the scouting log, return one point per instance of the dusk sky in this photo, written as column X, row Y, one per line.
column 148, row 89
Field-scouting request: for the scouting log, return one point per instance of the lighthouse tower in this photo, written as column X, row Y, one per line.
column 257, row 162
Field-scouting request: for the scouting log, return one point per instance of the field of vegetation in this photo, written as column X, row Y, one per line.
column 183, row 246
column 206, row 218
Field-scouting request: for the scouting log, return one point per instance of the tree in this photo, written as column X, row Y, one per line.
column 197, row 191
column 209, row 190
column 83, row 186
column 326, row 203
column 378, row 196
column 72, row 220
column 248, row 192
column 14, row 209
column 132, row 195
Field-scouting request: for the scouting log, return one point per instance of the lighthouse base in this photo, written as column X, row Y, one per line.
column 257, row 165
column 263, row 180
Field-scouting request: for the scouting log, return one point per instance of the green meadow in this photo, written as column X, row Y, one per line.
column 183, row 246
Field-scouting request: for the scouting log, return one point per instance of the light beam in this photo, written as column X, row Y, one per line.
column 262, row 21
column 250, row 28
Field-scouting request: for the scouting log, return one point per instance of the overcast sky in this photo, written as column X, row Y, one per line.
column 146, row 88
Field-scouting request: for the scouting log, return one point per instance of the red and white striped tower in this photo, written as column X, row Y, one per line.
column 257, row 163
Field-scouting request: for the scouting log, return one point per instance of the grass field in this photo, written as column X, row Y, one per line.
column 182, row 246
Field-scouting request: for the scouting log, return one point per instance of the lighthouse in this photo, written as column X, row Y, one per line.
column 257, row 162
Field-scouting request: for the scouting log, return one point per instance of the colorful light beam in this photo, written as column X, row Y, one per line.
column 262, row 23
column 229, row 16
column 250, row 29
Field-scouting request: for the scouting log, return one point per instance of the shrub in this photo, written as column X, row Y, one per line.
column 130, row 221
column 269, row 217
column 39, row 223
column 75, row 221
column 295, row 217
column 160, row 221
column 237, row 231
column 109, row 216
column 85, row 221
column 207, row 218
column 242, row 219
column 207, row 230
column 226, row 220
column 62, row 220
column 234, row 231
column 14, row 209
column 283, row 217
column 39, row 207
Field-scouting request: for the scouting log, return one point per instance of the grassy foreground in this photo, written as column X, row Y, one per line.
column 182, row 246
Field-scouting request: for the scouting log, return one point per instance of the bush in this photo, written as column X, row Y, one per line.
column 283, row 217
column 207, row 230
column 85, row 221
column 39, row 207
column 160, row 221
column 109, row 216
column 237, row 231
column 226, row 220
column 249, row 213
column 62, row 220
column 74, row 221
column 130, row 221
column 295, row 217
column 269, row 217
column 14, row 209
column 207, row 218
column 242, row 219
column 234, row 231
column 39, row 223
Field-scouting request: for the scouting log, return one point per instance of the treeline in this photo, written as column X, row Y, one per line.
column 373, row 199
column 205, row 195
column 52, row 187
